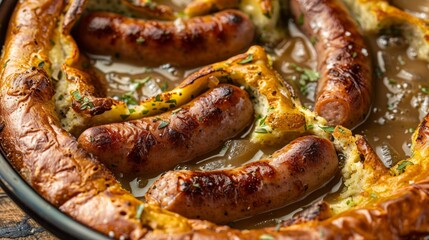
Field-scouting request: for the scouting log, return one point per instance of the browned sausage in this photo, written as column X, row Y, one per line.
column 222, row 196
column 344, row 91
column 193, row 42
column 158, row 143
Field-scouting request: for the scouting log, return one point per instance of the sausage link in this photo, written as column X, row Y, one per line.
column 344, row 92
column 222, row 196
column 158, row 143
column 188, row 43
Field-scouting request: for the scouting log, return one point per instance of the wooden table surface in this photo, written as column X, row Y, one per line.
column 15, row 224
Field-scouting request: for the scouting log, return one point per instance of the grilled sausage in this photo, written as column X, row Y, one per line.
column 222, row 196
column 194, row 42
column 158, row 143
column 344, row 92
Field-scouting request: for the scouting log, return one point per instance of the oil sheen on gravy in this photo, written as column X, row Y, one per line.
column 401, row 100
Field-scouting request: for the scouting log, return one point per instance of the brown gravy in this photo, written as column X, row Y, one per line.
column 401, row 100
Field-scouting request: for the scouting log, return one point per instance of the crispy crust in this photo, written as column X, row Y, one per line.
column 49, row 158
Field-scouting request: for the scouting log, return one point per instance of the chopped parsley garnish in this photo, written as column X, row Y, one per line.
column 140, row 40
column 124, row 116
column 309, row 127
column 144, row 112
column 261, row 130
column 163, row 124
column 248, row 59
column 176, row 111
column 171, row 101
column 76, row 95
column 391, row 81
column 139, row 211
column 403, row 165
column 266, row 237
column 424, row 89
column 5, row 63
column 41, row 64
column 307, row 75
column 86, row 65
column 301, row 19
column 86, row 104
column 128, row 99
column 84, row 101
column 164, row 87
column 327, row 129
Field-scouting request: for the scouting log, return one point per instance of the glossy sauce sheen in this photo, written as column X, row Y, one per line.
column 401, row 100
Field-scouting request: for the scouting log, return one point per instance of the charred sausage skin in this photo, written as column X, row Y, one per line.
column 188, row 43
column 344, row 91
column 158, row 143
column 222, row 196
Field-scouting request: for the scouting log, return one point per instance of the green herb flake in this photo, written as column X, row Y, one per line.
column 261, row 131
column 378, row 72
column 196, row 185
column 132, row 110
column 128, row 99
column 311, row 74
column 140, row 40
column 327, row 129
column 76, row 95
column 266, row 237
column 41, row 64
column 391, row 81
column 52, row 42
column 309, row 127
column 164, row 87
column 85, row 103
column 403, row 165
column 354, row 55
column 91, row 139
column 248, row 59
column 139, row 211
column 262, row 121
column 144, row 112
column 424, row 89
column 374, row 196
column 124, row 116
column 163, row 124
column 5, row 63
column 176, row 111
column 171, row 101
column 301, row 19
column 85, row 65
column 158, row 98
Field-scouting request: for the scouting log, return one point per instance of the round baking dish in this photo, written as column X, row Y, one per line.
column 22, row 194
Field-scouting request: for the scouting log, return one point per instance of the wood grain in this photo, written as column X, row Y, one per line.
column 15, row 224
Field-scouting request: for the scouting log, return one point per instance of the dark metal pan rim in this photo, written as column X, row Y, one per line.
column 23, row 194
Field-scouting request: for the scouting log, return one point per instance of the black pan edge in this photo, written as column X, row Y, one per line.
column 23, row 194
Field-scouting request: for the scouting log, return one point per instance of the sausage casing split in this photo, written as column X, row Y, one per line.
column 222, row 196
column 153, row 144
column 344, row 91
column 193, row 42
